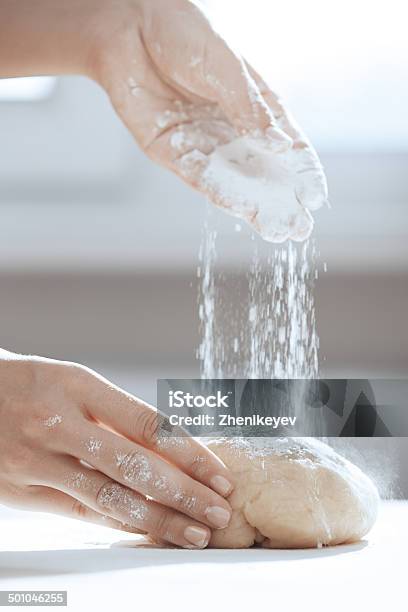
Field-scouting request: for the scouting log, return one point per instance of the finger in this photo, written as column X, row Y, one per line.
column 211, row 70
column 225, row 79
column 187, row 137
column 311, row 182
column 270, row 205
column 294, row 224
column 141, row 423
column 185, row 148
column 281, row 114
column 47, row 499
column 146, row 472
column 107, row 497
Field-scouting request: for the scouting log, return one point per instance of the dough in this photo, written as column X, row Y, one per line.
column 293, row 493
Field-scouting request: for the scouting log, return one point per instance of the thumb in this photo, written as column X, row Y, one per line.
column 204, row 65
column 229, row 82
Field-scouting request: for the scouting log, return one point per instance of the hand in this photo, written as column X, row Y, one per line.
column 74, row 443
column 183, row 92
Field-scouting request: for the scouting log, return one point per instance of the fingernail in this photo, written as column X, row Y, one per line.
column 196, row 536
column 218, row 516
column 221, row 485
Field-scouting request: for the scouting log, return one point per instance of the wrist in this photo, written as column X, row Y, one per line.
column 49, row 37
column 114, row 24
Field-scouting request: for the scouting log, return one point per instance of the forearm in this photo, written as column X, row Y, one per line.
column 45, row 37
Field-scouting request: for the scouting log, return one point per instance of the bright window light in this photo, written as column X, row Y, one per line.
column 26, row 89
column 341, row 65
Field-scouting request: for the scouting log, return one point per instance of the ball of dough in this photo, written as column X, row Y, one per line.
column 293, row 493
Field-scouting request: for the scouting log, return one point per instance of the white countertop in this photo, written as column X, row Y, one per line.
column 102, row 571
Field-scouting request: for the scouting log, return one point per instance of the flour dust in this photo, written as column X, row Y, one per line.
column 263, row 325
column 209, row 349
column 282, row 321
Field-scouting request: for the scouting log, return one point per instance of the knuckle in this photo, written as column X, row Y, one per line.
column 165, row 524
column 148, row 426
column 134, row 467
column 75, row 375
column 79, row 510
column 108, row 495
column 121, row 503
column 187, row 502
column 45, row 373
column 19, row 461
column 32, row 422
column 198, row 466
column 14, row 495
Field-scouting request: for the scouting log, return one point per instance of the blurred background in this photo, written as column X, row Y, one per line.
column 99, row 247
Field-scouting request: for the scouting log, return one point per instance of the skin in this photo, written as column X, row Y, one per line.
column 171, row 78
column 55, row 415
column 164, row 81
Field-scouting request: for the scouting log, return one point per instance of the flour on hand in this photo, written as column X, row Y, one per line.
column 258, row 184
column 272, row 188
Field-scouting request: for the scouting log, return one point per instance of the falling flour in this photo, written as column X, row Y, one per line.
column 271, row 333
column 282, row 322
column 211, row 366
column 267, row 332
column 278, row 478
